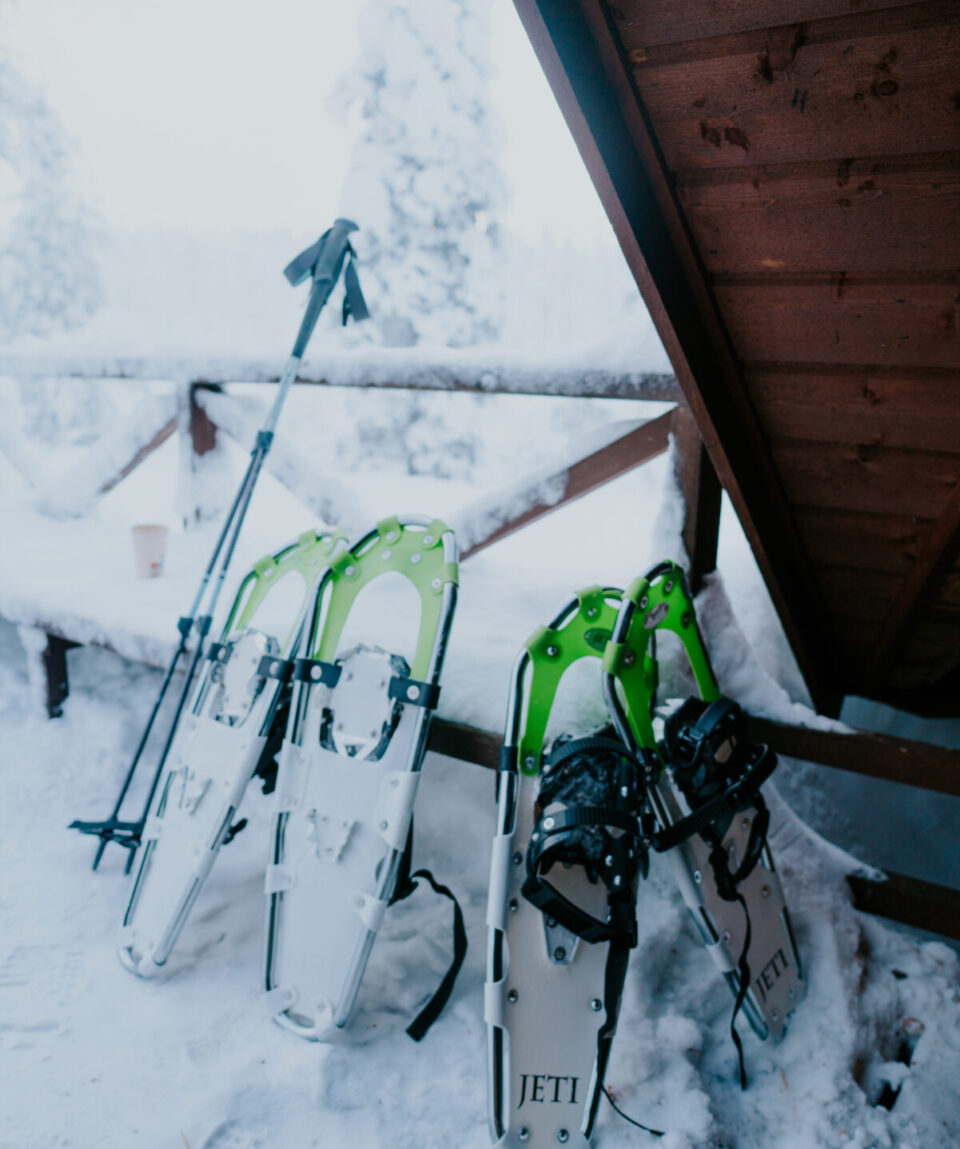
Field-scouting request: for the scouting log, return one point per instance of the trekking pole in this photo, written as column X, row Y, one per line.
column 322, row 262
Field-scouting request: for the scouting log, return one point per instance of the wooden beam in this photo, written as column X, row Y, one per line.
column 701, row 492
column 54, row 658
column 575, row 45
column 472, row 370
column 910, row 901
column 875, row 755
column 147, row 449
column 938, row 549
column 610, row 462
column 467, row 743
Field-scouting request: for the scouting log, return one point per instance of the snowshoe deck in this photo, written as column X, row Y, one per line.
column 216, row 750
column 348, row 778
column 709, row 842
column 557, row 946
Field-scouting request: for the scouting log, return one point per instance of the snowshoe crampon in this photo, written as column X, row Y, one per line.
column 711, row 816
column 348, row 778
column 217, row 747
column 561, row 910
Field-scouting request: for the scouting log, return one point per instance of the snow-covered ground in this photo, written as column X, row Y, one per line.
column 94, row 1057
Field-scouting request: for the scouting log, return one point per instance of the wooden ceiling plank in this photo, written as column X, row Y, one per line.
column 938, row 551
column 575, row 41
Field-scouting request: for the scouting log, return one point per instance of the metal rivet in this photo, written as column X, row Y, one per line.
column 513, row 905
column 524, row 1133
column 667, row 587
column 350, row 572
column 774, row 1016
column 697, row 877
column 551, row 923
column 617, row 880
column 765, row 891
column 358, row 901
column 643, row 602
column 437, row 583
column 608, row 860
column 387, row 554
column 428, row 540
column 413, row 693
column 559, row 954
column 563, row 1136
column 629, row 658
column 391, row 536
column 383, row 825
column 745, row 824
column 591, row 612
column 416, row 558
column 316, row 673
column 548, row 823
column 552, row 651
column 530, row 762
column 792, row 992
column 596, row 1005
column 512, row 995
column 624, row 792
column 517, row 858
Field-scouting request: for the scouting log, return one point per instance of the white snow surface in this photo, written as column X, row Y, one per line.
column 93, row 1057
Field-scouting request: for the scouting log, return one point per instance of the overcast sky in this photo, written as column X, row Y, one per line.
column 207, row 114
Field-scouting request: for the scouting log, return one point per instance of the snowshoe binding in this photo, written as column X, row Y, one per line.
column 347, row 781
column 221, row 741
column 703, row 782
column 561, row 917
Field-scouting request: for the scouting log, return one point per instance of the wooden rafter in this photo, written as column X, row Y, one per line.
column 936, row 555
column 580, row 478
column 701, row 492
column 606, row 118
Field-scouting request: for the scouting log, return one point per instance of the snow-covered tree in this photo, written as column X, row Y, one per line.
column 423, row 184
column 48, row 275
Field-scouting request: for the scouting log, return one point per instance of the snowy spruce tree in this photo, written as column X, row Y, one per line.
column 424, row 185
column 48, row 274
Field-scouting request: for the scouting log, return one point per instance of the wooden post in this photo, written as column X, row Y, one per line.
column 701, row 491
column 197, row 438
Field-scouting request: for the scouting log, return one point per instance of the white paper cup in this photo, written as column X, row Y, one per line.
column 149, row 549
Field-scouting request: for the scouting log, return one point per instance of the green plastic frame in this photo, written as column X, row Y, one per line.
column 412, row 551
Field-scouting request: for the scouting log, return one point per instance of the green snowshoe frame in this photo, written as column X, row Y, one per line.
column 414, row 551
column 307, row 557
column 660, row 600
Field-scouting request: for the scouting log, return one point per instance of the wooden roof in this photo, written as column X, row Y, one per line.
column 784, row 179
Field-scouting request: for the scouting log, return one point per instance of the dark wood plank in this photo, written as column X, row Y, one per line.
column 938, row 551
column 909, row 901
column 919, row 410
column 887, row 324
column 876, row 480
column 580, row 478
column 863, row 594
column 874, row 755
column 701, row 492
column 647, row 22
column 467, row 743
column 574, row 40
column 890, row 94
column 872, row 542
column 878, row 218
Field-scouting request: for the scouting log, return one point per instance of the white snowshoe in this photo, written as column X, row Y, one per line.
column 216, row 749
column 561, row 916
column 347, row 780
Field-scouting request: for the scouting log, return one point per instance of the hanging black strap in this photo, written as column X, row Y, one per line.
column 406, row 884
column 354, row 305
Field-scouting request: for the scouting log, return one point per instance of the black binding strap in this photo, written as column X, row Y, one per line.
column 272, row 667
column 406, row 884
column 315, row 670
column 414, row 693
column 219, row 651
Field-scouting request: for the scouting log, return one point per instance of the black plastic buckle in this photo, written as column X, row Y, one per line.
column 414, row 693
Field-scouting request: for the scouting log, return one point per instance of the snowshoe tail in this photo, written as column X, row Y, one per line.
column 711, row 816
column 561, row 916
column 348, row 776
column 217, row 747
